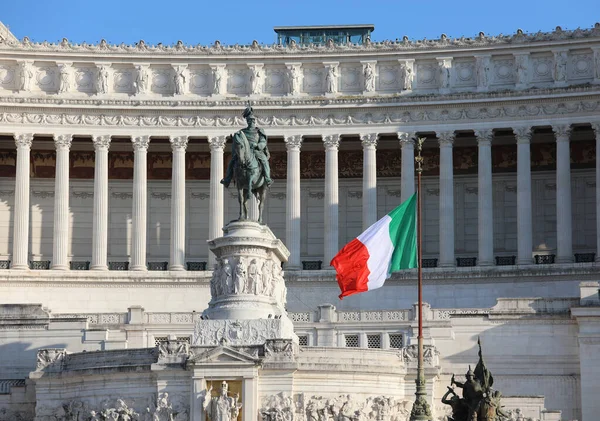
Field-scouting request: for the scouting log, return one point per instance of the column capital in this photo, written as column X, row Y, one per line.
column 562, row 132
column 368, row 139
column 293, row 142
column 101, row 141
column 216, row 142
column 446, row 139
column 140, row 142
column 63, row 141
column 178, row 142
column 596, row 128
column 406, row 138
column 484, row 136
column 23, row 140
column 331, row 141
column 523, row 134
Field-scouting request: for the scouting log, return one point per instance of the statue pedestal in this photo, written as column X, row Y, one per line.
column 247, row 289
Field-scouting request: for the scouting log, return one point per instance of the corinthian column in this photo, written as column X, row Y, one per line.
column 596, row 128
column 564, row 224
column 292, row 208
column 61, row 202
column 446, row 199
column 524, row 220
column 215, row 215
column 407, row 175
column 485, row 230
column 140, row 188
column 100, row 212
column 332, row 143
column 177, row 255
column 21, row 214
column 369, row 198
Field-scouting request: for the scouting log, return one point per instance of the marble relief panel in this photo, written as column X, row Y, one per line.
column 350, row 75
column 9, row 75
column 200, row 80
column 542, row 68
column 389, row 77
column 84, row 76
column 426, row 73
column 123, row 78
column 314, row 79
column 45, row 77
column 275, row 80
column 580, row 65
column 503, row 71
column 161, row 79
column 464, row 73
column 238, row 82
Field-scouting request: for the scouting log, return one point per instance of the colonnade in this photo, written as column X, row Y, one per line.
column 293, row 144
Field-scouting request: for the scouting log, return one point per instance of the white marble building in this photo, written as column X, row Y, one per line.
column 111, row 156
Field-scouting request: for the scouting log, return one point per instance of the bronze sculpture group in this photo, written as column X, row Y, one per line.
column 479, row 401
column 249, row 166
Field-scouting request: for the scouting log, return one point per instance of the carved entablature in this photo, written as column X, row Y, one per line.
column 486, row 63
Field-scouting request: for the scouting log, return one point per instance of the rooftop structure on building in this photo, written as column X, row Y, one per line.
column 321, row 34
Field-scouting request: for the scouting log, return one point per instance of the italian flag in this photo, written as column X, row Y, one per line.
column 388, row 245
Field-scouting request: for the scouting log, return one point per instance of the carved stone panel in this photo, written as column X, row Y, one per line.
column 542, row 68
column 123, row 79
column 580, row 66
column 350, row 78
column 84, row 78
column 275, row 80
column 427, row 75
column 200, row 80
column 464, row 73
column 503, row 71
column 314, row 79
column 8, row 76
column 46, row 78
column 161, row 80
column 238, row 82
column 389, row 77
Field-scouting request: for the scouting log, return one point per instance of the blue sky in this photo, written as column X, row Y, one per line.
column 203, row 22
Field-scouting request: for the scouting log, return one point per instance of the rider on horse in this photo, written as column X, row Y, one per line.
column 258, row 142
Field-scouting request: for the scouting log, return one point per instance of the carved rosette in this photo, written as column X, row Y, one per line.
column 101, row 142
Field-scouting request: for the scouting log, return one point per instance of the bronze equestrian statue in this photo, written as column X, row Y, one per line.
column 249, row 166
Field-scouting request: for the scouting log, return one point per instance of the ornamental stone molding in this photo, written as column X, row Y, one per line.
column 331, row 142
column 101, row 142
column 63, row 141
column 23, row 140
column 217, row 142
column 293, row 142
column 562, row 132
column 178, row 142
column 446, row 138
column 368, row 139
column 484, row 136
column 140, row 143
column 523, row 134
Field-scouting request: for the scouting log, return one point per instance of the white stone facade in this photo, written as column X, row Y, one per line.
column 537, row 96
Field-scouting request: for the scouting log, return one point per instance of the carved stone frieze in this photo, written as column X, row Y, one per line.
column 430, row 354
column 50, row 357
column 238, row 332
column 341, row 408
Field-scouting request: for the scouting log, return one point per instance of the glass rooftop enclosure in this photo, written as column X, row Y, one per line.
column 339, row 34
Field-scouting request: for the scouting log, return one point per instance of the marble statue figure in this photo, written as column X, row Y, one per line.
column 255, row 80
column 103, row 80
column 369, row 74
column 406, row 77
column 222, row 407
column 64, row 79
column 331, row 79
column 26, row 75
column 141, row 80
column 294, row 80
column 249, row 166
column 239, row 285
column 179, row 80
column 560, row 67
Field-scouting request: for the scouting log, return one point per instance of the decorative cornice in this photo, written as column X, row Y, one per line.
column 178, row 142
column 217, row 49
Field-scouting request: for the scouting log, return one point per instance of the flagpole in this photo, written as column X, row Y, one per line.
column 420, row 410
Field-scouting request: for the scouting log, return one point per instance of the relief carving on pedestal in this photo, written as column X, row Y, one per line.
column 50, row 356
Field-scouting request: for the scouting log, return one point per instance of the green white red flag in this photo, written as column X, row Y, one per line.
column 388, row 245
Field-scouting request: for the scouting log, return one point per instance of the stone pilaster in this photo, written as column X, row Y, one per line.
column 140, row 198
column 407, row 174
column 564, row 224
column 292, row 209
column 215, row 215
column 485, row 231
column 446, row 199
column 332, row 143
column 100, row 211
column 177, row 252
column 20, row 253
column 407, row 171
column 596, row 128
column 524, row 212
column 60, row 244
column 369, row 190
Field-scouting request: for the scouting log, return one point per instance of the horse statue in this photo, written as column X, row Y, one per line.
column 249, row 166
